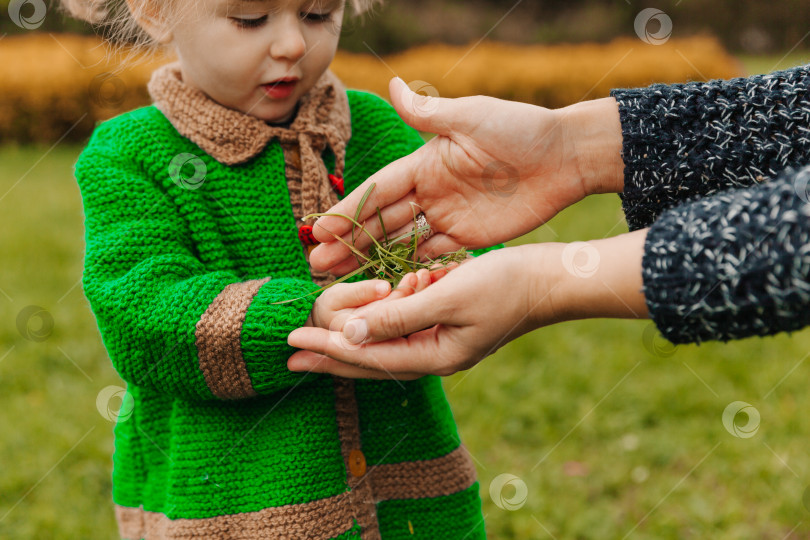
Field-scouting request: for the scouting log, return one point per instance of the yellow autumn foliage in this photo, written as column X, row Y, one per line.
column 551, row 76
column 58, row 86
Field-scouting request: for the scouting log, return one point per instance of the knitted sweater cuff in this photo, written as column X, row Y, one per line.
column 733, row 265
column 265, row 330
column 685, row 141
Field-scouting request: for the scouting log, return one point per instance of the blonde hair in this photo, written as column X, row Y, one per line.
column 118, row 26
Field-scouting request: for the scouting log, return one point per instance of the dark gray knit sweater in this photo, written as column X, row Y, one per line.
column 717, row 171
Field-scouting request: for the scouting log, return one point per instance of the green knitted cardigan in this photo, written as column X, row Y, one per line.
column 222, row 440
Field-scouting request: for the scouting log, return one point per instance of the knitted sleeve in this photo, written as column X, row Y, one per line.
column 733, row 265
column 168, row 322
column 693, row 140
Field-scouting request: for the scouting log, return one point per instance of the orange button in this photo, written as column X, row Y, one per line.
column 357, row 463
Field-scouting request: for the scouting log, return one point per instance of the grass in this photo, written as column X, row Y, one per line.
column 755, row 64
column 611, row 438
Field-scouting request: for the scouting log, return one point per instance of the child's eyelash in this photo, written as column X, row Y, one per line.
column 249, row 23
column 317, row 17
column 308, row 17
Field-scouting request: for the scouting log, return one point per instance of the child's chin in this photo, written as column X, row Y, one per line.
column 276, row 117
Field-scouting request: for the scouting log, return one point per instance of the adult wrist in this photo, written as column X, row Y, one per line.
column 592, row 134
column 600, row 278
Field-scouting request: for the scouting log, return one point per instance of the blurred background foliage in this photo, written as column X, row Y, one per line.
column 742, row 26
column 85, row 82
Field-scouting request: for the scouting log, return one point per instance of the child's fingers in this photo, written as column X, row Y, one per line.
column 438, row 271
column 422, row 279
column 409, row 284
column 405, row 287
column 318, row 363
column 348, row 295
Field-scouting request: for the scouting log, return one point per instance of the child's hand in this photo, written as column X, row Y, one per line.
column 340, row 301
column 345, row 300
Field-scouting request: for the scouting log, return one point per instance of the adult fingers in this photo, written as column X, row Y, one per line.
column 387, row 320
column 319, row 363
column 333, row 252
column 436, row 246
column 393, row 182
column 424, row 112
column 420, row 352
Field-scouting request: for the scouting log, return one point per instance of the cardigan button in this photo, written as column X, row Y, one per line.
column 337, row 184
column 306, row 236
column 294, row 155
column 357, row 463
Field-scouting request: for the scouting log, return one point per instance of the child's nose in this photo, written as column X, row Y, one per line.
column 288, row 41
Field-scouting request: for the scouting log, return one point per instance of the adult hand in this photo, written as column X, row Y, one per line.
column 496, row 169
column 480, row 306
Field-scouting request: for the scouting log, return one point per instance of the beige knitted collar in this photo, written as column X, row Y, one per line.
column 231, row 136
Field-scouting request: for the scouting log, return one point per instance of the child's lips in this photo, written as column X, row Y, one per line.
column 281, row 88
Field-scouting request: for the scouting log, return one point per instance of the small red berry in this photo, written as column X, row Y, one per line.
column 337, row 184
column 306, row 236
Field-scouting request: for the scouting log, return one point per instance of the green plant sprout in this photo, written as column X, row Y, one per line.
column 390, row 259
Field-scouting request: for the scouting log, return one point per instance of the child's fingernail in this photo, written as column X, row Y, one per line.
column 382, row 288
column 355, row 331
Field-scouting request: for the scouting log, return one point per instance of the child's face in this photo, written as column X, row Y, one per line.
column 257, row 56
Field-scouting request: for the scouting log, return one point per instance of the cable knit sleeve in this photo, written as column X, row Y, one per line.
column 733, row 265
column 693, row 140
column 169, row 322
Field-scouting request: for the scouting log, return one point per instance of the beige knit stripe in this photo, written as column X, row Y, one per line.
column 317, row 520
column 445, row 475
column 325, row 518
column 218, row 339
column 348, row 422
column 292, row 170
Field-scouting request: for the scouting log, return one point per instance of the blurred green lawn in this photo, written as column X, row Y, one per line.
column 614, row 433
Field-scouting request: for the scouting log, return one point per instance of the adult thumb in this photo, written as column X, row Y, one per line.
column 420, row 106
column 387, row 320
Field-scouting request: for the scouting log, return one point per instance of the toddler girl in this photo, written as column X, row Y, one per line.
column 193, row 235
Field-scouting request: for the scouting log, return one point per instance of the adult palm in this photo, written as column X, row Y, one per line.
column 496, row 170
